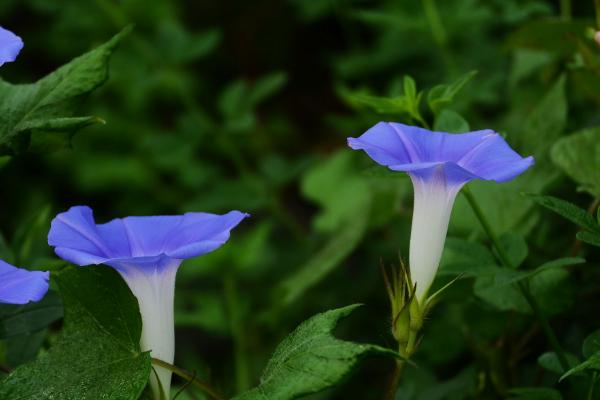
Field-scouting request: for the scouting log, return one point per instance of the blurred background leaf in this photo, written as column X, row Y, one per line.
column 214, row 106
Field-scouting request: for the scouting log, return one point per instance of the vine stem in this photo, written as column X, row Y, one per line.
column 565, row 9
column 406, row 352
column 590, row 395
column 422, row 121
column 390, row 392
column 205, row 387
column 525, row 291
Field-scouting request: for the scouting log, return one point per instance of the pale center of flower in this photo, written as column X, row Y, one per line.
column 433, row 203
column 154, row 289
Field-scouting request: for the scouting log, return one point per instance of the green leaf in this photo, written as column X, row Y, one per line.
column 591, row 344
column 515, row 215
column 311, row 359
column 30, row 240
column 515, row 248
column 568, row 210
column 441, row 95
column 339, row 188
column 205, row 310
column 593, row 362
column 535, row 393
column 450, row 121
column 49, row 104
column 413, row 98
column 592, row 238
column 505, row 276
column 559, row 263
column 239, row 99
column 408, row 103
column 97, row 356
column 552, row 34
column 551, row 287
column 554, row 289
column 526, row 63
column 410, row 87
column 381, row 105
column 550, row 361
column 266, row 87
column 335, row 251
column 344, row 197
column 578, row 155
column 24, row 348
column 177, row 45
column 23, row 319
column 466, row 258
column 544, row 124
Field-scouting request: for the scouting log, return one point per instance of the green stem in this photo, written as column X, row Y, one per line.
column 597, row 6
column 406, row 352
column 390, row 392
column 505, row 260
column 422, row 121
column 590, row 394
column 242, row 370
column 565, row 9
column 205, row 387
column 435, row 22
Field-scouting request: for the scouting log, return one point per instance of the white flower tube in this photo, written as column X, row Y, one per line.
column 155, row 292
column 433, row 201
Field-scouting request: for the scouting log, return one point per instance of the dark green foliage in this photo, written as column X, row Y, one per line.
column 591, row 232
column 29, row 318
column 535, row 394
column 311, row 359
column 97, row 355
column 46, row 107
column 213, row 106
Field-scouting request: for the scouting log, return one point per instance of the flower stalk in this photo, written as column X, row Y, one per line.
column 190, row 377
column 408, row 315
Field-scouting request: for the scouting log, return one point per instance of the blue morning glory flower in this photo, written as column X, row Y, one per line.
column 10, row 46
column 439, row 165
column 146, row 251
column 20, row 286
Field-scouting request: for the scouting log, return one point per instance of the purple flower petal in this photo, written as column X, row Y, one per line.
column 20, row 286
column 10, row 46
column 78, row 239
column 463, row 157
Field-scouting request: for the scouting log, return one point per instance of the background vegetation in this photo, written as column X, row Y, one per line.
column 213, row 106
